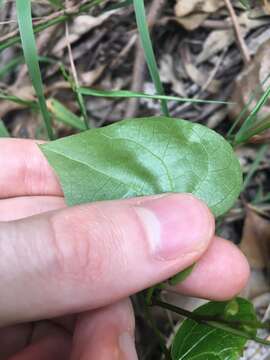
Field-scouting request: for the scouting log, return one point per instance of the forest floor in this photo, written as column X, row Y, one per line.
column 211, row 49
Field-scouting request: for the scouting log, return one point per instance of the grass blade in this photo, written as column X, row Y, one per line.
column 15, row 39
column 243, row 134
column 3, row 130
column 260, row 155
column 56, row 3
column 132, row 94
column 148, row 50
column 24, row 16
column 245, row 108
column 17, row 100
column 10, row 66
column 120, row 5
column 64, row 115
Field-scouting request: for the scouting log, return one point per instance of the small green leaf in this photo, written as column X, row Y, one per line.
column 181, row 276
column 198, row 341
column 3, row 130
column 231, row 308
column 147, row 156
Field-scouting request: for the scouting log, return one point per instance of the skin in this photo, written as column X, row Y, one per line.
column 67, row 273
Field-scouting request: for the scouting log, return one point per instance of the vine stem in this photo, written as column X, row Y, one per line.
column 215, row 322
column 156, row 331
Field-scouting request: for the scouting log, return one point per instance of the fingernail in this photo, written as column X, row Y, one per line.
column 127, row 346
column 176, row 225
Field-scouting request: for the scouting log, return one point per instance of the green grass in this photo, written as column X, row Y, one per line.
column 260, row 155
column 24, row 17
column 13, row 40
column 3, row 130
column 133, row 94
column 243, row 115
column 64, row 115
column 18, row 100
column 251, row 126
column 58, row 4
column 148, row 51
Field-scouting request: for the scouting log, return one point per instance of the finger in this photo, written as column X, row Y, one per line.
column 107, row 333
column 85, row 257
column 46, row 328
column 220, row 274
column 13, row 339
column 49, row 343
column 27, row 171
column 25, row 206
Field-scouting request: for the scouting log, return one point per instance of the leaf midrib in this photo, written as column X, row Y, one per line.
column 93, row 168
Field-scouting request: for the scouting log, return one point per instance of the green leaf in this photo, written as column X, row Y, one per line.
column 64, row 115
column 147, row 156
column 24, row 16
column 181, row 276
column 199, row 341
column 3, row 130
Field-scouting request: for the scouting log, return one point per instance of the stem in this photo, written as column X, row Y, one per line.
column 150, row 319
column 76, row 80
column 215, row 322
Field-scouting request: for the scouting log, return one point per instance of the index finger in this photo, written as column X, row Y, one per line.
column 24, row 170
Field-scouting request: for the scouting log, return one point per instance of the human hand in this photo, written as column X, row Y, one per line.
column 58, row 261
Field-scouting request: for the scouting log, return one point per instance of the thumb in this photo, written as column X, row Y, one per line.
column 88, row 256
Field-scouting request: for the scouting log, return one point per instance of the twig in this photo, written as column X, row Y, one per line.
column 73, row 10
column 217, row 323
column 241, row 43
column 139, row 64
column 75, row 78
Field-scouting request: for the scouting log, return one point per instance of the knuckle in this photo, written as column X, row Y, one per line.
column 74, row 243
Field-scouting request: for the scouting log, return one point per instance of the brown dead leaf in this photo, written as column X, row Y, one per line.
column 88, row 78
column 80, row 26
column 217, row 41
column 184, row 7
column 252, row 81
column 168, row 75
column 255, row 242
column 192, row 21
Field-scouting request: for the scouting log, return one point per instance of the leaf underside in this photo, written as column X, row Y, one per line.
column 202, row 342
column 147, row 156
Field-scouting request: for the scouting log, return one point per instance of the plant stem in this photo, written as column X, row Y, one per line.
column 215, row 322
column 150, row 319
